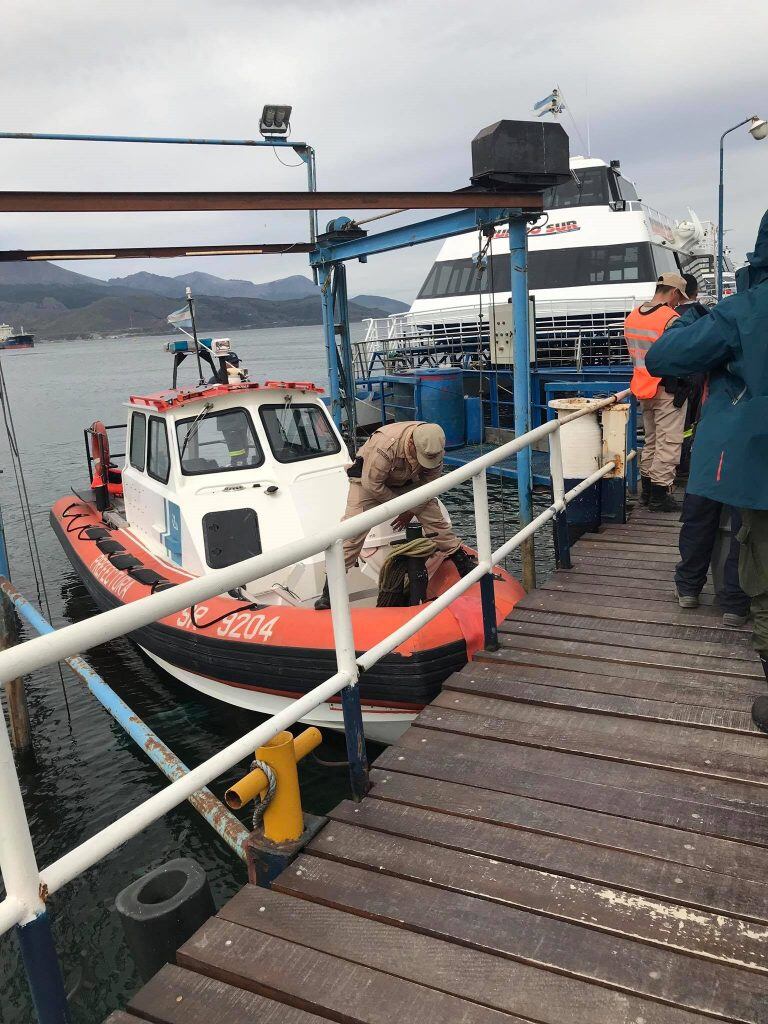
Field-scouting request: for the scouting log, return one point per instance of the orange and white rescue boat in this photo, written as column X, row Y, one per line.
column 218, row 473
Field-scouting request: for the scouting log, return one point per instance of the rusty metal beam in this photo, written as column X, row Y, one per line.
column 125, row 202
column 106, row 252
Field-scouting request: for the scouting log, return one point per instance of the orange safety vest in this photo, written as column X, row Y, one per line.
column 640, row 332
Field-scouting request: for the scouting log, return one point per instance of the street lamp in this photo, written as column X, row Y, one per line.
column 758, row 129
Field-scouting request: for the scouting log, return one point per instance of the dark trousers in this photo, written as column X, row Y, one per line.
column 700, row 524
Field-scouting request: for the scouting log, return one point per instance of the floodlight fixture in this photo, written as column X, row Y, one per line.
column 275, row 119
column 758, row 128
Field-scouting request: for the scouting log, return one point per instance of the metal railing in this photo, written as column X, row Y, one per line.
column 28, row 887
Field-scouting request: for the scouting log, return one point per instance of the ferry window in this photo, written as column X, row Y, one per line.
column 158, row 456
column 589, row 188
column 218, row 442
column 298, row 432
column 664, row 260
column 138, row 440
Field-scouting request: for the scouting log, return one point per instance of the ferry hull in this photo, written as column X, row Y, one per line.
column 263, row 658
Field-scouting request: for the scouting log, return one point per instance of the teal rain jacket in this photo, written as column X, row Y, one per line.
column 730, row 453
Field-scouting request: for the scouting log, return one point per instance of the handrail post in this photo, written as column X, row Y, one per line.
column 346, row 662
column 484, row 551
column 562, row 540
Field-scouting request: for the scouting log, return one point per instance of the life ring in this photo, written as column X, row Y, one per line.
column 99, row 444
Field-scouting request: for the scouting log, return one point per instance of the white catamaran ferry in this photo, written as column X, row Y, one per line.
column 595, row 253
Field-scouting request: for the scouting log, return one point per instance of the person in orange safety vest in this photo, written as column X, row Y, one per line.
column 663, row 410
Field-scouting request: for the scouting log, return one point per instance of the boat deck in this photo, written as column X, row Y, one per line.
column 574, row 831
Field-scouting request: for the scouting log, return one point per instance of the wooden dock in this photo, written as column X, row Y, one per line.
column 574, row 832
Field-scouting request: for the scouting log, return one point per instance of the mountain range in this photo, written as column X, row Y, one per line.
column 52, row 302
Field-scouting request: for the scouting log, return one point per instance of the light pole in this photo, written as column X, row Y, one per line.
column 758, row 130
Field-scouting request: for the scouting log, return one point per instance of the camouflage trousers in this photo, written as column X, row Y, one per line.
column 753, row 571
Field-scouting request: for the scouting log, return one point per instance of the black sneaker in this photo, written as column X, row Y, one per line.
column 323, row 603
column 661, row 500
column 463, row 561
column 760, row 713
column 645, row 490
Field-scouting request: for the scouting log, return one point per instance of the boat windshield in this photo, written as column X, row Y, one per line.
column 298, row 432
column 218, row 442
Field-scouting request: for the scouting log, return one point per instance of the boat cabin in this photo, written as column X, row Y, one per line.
column 221, row 472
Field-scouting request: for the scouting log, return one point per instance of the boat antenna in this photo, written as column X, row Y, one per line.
column 191, row 305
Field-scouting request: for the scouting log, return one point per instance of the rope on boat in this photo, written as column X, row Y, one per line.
column 260, row 806
column 393, row 578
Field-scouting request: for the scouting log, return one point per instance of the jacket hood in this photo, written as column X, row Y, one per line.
column 756, row 270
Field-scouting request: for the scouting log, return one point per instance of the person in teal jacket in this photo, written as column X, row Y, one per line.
column 730, row 455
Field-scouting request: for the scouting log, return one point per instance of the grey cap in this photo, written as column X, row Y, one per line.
column 429, row 442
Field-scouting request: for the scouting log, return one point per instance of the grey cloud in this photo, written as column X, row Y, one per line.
column 389, row 93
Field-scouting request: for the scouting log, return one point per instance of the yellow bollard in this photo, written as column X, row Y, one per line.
column 283, row 819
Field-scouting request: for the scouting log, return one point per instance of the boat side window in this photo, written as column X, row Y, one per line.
column 138, row 440
column 158, row 455
column 218, row 442
column 298, row 432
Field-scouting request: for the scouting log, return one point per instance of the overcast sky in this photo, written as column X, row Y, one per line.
column 390, row 94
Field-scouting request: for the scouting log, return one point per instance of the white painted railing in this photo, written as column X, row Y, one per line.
column 26, row 886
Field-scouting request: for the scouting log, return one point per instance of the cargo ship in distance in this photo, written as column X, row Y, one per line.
column 10, row 339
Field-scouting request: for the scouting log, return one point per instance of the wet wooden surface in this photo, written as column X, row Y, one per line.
column 574, row 831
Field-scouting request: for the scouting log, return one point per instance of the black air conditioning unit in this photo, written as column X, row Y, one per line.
column 530, row 155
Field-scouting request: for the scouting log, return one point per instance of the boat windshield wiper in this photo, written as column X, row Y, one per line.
column 192, row 432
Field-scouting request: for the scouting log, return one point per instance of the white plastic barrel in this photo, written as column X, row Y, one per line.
column 580, row 440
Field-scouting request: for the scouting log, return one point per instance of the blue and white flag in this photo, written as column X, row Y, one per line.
column 181, row 318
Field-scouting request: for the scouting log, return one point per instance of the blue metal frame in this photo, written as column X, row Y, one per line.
column 521, row 367
column 355, row 739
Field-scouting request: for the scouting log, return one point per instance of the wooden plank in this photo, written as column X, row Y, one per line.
column 590, row 629
column 583, row 567
column 119, row 1017
column 319, row 983
column 476, row 975
column 643, row 553
column 627, row 607
column 655, row 710
column 647, row 590
column 700, row 693
column 652, row 544
column 687, row 885
column 711, row 754
column 587, row 652
column 689, row 802
column 177, row 996
column 633, row 627
column 720, row 938
column 557, row 945
column 532, row 815
column 602, row 557
column 586, row 576
column 519, row 659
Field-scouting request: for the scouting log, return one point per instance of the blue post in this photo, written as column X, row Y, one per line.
column 41, row 965
column 522, row 386
column 355, row 737
column 341, row 303
column 329, row 334
column 488, row 605
column 5, row 569
column 562, row 541
column 493, row 394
